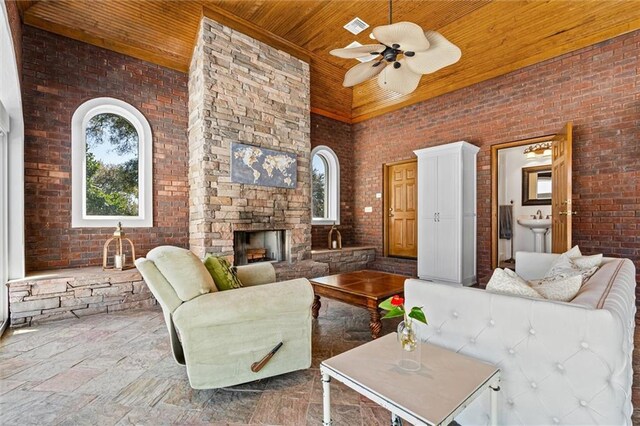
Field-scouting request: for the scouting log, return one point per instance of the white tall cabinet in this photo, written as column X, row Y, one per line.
column 447, row 213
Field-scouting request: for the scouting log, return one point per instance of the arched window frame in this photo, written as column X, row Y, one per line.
column 81, row 117
column 333, row 186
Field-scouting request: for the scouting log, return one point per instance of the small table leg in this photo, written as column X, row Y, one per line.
column 326, row 400
column 315, row 308
column 375, row 324
column 395, row 420
column 493, row 398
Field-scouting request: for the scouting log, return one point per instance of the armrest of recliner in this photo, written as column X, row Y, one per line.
column 244, row 304
column 256, row 274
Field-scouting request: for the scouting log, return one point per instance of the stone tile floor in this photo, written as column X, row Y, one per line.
column 118, row 369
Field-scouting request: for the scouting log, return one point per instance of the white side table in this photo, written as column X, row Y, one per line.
column 444, row 386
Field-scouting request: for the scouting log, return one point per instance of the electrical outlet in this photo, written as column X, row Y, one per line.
column 368, row 209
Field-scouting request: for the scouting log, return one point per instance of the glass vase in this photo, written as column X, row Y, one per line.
column 411, row 349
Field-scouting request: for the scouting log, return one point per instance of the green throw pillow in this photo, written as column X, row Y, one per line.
column 222, row 272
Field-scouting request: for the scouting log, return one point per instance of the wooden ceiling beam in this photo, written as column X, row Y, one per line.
column 165, row 59
column 24, row 5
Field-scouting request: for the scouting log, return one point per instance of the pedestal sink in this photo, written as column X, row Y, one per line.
column 539, row 227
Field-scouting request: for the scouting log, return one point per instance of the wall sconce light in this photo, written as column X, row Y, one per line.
column 542, row 149
column 119, row 259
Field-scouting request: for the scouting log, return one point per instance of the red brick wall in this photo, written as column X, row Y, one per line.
column 15, row 23
column 59, row 74
column 337, row 136
column 596, row 88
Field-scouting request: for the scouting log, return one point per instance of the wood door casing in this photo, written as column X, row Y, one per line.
column 561, row 206
column 401, row 201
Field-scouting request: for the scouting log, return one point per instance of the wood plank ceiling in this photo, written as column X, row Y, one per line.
column 496, row 37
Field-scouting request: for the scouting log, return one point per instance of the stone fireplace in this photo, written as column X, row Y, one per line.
column 260, row 246
column 243, row 90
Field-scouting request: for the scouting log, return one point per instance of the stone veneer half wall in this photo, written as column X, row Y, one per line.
column 242, row 90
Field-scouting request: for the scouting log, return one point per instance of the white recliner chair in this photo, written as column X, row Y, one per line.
column 218, row 335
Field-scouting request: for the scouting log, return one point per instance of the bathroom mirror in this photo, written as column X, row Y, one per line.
column 536, row 185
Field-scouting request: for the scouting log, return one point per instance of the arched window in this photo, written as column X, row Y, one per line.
column 111, row 165
column 325, row 186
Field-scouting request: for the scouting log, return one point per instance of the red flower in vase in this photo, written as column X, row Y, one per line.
column 397, row 300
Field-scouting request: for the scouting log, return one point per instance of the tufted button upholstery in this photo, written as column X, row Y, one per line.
column 562, row 363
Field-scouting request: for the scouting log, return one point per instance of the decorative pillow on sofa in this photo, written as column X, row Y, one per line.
column 223, row 274
column 505, row 281
column 588, row 262
column 562, row 289
column 573, row 263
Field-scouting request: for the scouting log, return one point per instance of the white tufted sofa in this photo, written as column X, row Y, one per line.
column 562, row 363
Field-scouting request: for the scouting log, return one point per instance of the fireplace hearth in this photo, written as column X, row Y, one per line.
column 259, row 246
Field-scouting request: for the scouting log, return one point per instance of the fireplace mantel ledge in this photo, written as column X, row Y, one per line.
column 343, row 249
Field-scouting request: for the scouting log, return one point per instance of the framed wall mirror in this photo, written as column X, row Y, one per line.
column 536, row 185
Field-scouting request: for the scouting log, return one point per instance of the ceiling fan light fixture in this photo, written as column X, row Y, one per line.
column 400, row 44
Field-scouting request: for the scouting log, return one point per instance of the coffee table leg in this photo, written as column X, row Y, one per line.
column 326, row 400
column 375, row 324
column 315, row 308
column 493, row 398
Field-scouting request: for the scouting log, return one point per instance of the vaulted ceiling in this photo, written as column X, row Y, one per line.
column 496, row 37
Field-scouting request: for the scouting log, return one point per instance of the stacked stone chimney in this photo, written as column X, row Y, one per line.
column 243, row 90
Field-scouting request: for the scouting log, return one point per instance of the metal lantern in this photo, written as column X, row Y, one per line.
column 119, row 259
column 337, row 243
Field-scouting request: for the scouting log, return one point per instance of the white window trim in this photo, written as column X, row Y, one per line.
column 81, row 117
column 333, row 186
column 4, row 215
column 12, row 101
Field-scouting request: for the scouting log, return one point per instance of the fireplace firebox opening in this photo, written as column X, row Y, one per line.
column 259, row 246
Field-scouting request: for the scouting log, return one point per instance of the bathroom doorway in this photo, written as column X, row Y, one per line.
column 531, row 187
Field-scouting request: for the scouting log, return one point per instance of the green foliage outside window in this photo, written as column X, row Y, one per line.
column 319, row 186
column 112, row 145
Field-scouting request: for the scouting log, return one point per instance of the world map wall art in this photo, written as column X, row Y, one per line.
column 262, row 166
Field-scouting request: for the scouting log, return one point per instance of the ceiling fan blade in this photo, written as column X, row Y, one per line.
column 357, row 52
column 362, row 72
column 442, row 53
column 400, row 80
column 408, row 35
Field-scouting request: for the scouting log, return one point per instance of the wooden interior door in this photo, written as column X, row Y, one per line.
column 561, row 207
column 402, row 232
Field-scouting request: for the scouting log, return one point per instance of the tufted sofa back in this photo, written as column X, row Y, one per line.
column 562, row 363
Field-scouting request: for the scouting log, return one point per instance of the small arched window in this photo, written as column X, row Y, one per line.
column 325, row 186
column 111, row 165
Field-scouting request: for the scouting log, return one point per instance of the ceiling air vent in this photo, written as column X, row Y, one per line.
column 356, row 26
column 363, row 59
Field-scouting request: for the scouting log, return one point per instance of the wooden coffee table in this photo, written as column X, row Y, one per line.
column 361, row 288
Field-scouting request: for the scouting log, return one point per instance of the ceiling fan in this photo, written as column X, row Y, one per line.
column 405, row 52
